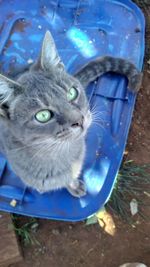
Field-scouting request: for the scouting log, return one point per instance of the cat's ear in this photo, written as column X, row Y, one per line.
column 49, row 55
column 8, row 90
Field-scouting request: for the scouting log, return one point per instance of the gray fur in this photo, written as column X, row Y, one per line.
column 98, row 67
column 49, row 156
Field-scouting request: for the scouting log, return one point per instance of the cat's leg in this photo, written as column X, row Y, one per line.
column 76, row 187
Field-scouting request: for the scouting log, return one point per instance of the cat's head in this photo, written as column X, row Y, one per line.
column 45, row 103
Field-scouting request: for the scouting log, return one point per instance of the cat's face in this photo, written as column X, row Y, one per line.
column 46, row 103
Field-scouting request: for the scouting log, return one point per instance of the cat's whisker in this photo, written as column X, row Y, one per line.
column 97, row 115
column 44, row 148
column 98, row 119
column 99, row 111
column 99, row 124
column 95, row 106
column 35, row 144
column 52, row 145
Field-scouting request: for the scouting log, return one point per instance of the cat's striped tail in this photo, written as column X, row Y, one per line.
column 98, row 67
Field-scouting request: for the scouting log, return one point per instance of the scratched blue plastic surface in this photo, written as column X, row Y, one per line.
column 82, row 30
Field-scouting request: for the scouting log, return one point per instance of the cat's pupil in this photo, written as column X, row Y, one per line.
column 72, row 94
column 43, row 115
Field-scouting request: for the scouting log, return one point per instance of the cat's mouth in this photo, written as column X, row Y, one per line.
column 74, row 130
column 63, row 133
column 77, row 129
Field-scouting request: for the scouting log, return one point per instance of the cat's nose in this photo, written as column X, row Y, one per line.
column 78, row 123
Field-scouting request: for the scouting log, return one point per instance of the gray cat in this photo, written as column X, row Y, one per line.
column 44, row 117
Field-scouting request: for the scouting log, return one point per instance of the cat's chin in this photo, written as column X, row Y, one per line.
column 80, row 132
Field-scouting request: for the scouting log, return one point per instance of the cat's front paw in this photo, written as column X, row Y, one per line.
column 77, row 188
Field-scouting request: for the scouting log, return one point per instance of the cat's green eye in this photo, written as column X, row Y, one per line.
column 43, row 115
column 72, row 94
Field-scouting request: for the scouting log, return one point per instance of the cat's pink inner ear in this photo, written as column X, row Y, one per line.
column 49, row 54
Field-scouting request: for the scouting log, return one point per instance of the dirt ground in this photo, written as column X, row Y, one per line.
column 75, row 244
